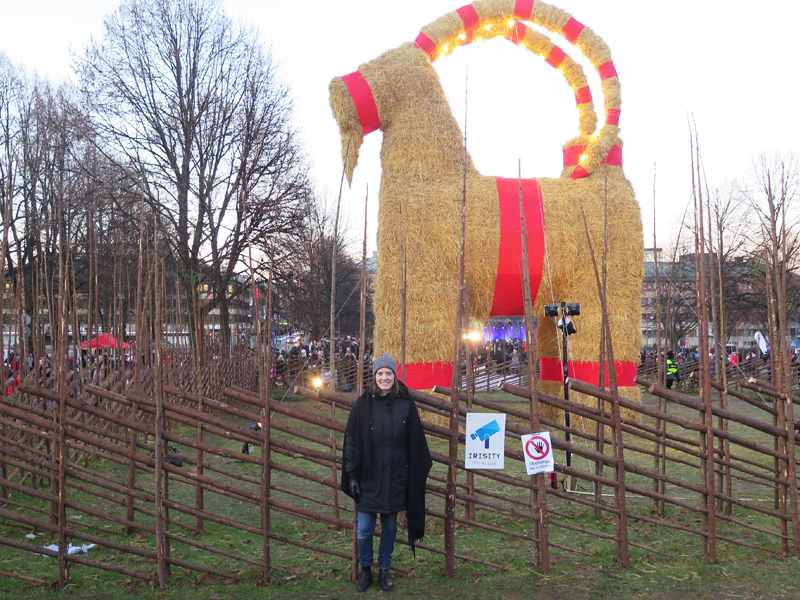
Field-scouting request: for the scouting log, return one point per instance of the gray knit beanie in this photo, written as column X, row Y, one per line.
column 384, row 361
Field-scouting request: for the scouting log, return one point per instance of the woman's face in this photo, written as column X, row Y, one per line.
column 384, row 378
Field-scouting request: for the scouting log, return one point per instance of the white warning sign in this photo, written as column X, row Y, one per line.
column 486, row 441
column 538, row 453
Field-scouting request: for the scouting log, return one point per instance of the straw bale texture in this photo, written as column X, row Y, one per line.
column 422, row 160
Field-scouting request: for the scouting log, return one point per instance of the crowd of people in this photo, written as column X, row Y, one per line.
column 685, row 355
column 308, row 357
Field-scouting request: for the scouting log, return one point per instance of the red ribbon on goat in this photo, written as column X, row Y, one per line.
column 523, row 9
column 572, row 157
column 366, row 109
column 508, row 299
column 552, row 369
column 572, row 30
column 517, row 33
column 426, row 44
column 607, row 70
column 425, row 376
column 583, row 95
column 469, row 16
column 555, row 57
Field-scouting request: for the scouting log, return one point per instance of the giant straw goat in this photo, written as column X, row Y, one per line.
column 422, row 160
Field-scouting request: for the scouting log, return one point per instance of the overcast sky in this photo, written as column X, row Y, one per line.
column 733, row 66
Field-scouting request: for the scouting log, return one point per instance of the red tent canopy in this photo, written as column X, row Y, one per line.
column 105, row 340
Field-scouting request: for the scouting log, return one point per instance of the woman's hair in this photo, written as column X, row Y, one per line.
column 376, row 391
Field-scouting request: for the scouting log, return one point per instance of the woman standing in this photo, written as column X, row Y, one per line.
column 386, row 464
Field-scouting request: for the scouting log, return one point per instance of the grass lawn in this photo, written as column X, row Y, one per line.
column 740, row 572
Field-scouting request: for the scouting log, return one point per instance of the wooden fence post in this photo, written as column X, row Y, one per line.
column 199, row 495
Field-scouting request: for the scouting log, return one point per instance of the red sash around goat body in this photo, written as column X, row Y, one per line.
column 508, row 299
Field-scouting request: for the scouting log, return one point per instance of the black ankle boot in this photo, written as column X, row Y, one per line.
column 365, row 580
column 384, row 582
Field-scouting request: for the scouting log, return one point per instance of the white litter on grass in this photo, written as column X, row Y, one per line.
column 33, row 536
column 70, row 549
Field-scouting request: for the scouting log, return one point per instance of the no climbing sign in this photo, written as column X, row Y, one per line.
column 538, row 453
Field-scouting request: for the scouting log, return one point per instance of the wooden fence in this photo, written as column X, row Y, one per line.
column 52, row 447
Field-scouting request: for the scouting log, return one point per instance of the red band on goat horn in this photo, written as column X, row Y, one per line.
column 583, row 95
column 612, row 117
column 366, row 109
column 572, row 30
column 555, row 57
column 607, row 70
column 426, row 44
column 469, row 16
column 523, row 9
column 517, row 33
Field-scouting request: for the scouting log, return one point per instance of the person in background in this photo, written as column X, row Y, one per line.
column 672, row 370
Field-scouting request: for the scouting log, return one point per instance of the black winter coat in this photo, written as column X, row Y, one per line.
column 385, row 483
column 386, row 450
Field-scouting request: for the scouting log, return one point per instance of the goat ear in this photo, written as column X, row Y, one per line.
column 344, row 111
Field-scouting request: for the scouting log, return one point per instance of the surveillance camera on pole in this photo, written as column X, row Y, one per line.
column 562, row 311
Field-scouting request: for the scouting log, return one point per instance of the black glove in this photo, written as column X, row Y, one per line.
column 355, row 486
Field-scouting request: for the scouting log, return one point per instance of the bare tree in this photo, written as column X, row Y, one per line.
column 189, row 96
column 771, row 193
column 677, row 294
column 306, row 287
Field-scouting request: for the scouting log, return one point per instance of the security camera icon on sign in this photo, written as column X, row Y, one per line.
column 484, row 433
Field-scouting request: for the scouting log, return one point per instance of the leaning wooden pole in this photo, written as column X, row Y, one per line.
column 59, row 355
column 266, row 423
column 708, row 475
column 702, row 351
column 362, row 365
column 450, row 500
column 7, row 197
column 539, row 493
column 623, row 550
column 90, row 322
column 263, row 351
column 726, row 445
column 779, row 419
column 781, row 356
column 362, row 314
column 162, row 530
column 660, row 370
column 602, row 376
column 719, row 342
column 334, row 242
column 661, row 374
column 469, row 508
column 332, row 382
column 403, row 305
column 138, row 355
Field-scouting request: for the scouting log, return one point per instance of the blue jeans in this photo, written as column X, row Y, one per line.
column 366, row 527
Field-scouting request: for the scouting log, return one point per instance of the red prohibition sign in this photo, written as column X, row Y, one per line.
column 537, row 451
